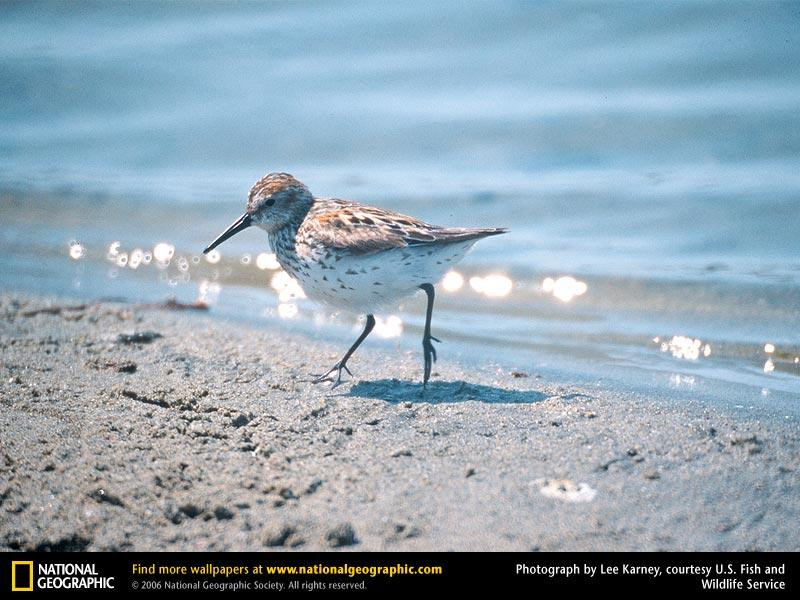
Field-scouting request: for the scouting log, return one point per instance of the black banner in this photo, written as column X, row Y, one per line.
column 251, row 573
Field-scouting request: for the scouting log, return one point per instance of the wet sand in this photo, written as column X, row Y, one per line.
column 139, row 428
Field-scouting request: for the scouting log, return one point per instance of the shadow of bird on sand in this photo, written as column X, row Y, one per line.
column 441, row 392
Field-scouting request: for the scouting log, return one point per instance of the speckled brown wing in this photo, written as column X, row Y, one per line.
column 363, row 230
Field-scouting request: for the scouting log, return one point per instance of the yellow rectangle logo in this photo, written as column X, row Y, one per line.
column 27, row 582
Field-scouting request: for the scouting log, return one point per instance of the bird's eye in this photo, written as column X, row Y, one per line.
column 269, row 201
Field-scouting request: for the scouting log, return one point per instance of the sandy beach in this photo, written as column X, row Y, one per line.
column 130, row 427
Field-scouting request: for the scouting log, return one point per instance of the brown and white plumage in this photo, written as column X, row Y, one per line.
column 352, row 256
column 362, row 230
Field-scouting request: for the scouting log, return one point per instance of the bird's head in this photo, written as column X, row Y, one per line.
column 275, row 201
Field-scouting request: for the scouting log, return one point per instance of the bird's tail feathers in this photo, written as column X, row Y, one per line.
column 463, row 234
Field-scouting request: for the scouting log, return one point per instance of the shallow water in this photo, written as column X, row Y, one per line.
column 650, row 153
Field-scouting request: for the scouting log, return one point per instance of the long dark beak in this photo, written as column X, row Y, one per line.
column 240, row 224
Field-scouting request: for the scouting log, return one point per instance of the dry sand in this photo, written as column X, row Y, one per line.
column 133, row 428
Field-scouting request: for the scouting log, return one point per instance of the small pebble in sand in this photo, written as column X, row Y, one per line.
column 191, row 510
column 222, row 513
column 138, row 337
column 240, row 420
column 282, row 535
column 341, row 535
column 566, row 490
column 396, row 532
column 102, row 496
column 124, row 366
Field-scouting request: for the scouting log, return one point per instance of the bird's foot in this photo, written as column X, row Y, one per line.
column 337, row 381
column 430, row 356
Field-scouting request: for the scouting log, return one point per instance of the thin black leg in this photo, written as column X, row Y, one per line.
column 342, row 364
column 427, row 338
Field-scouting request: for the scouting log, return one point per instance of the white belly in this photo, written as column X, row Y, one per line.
column 365, row 284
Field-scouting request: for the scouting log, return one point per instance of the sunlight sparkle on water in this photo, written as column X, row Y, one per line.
column 213, row 257
column 76, row 251
column 681, row 346
column 452, row 281
column 208, row 292
column 287, row 287
column 769, row 348
column 390, row 327
column 163, row 252
column 492, row 286
column 769, row 366
column 287, row 310
column 267, row 261
column 135, row 259
column 113, row 250
column 676, row 380
column 564, row 288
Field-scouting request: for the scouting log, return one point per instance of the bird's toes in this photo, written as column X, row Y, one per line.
column 324, row 377
column 430, row 350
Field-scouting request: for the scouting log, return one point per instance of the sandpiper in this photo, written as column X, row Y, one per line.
column 353, row 257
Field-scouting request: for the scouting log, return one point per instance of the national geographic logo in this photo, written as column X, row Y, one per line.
column 25, row 576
